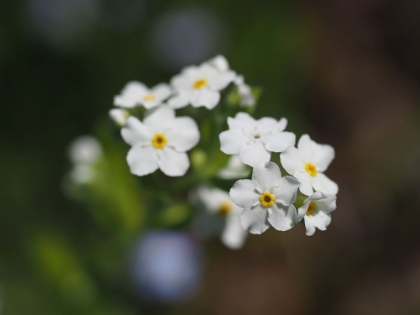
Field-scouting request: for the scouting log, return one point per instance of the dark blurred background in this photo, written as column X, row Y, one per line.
column 346, row 72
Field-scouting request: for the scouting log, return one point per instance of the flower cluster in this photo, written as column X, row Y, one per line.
column 157, row 124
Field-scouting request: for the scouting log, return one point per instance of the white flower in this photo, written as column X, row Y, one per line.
column 316, row 211
column 160, row 141
column 308, row 163
column 267, row 199
column 119, row 116
column 254, row 140
column 82, row 174
column 199, row 86
column 85, row 150
column 244, row 91
column 234, row 169
column 136, row 94
column 223, row 213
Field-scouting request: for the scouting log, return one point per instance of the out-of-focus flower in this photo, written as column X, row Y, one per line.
column 136, row 94
column 244, row 91
column 84, row 152
column 316, row 211
column 199, row 86
column 267, row 199
column 167, row 266
column 234, row 169
column 160, row 141
column 119, row 116
column 187, row 36
column 254, row 140
column 220, row 63
column 308, row 163
column 218, row 204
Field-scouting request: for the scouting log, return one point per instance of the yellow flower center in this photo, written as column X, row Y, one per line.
column 199, row 84
column 311, row 169
column 311, row 208
column 267, row 199
column 224, row 208
column 149, row 98
column 159, row 141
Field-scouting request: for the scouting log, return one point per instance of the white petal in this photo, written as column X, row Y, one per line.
column 119, row 116
column 281, row 125
column 160, row 119
column 221, row 80
column 135, row 132
column 231, row 141
column 184, row 134
column 220, row 63
column 279, row 142
column 266, row 124
column 320, row 221
column 306, row 148
column 286, row 190
column 253, row 153
column 305, row 183
column 282, row 217
column 142, row 160
column 241, row 121
column 324, row 184
column 131, row 94
column 162, row 91
column 233, row 235
column 85, row 150
column 328, row 203
column 179, row 101
column 302, row 210
column 205, row 97
column 292, row 160
column 243, row 193
column 212, row 198
column 266, row 175
column 173, row 163
column 310, row 228
column 255, row 220
column 323, row 156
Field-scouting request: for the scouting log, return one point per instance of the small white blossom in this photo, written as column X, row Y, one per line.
column 136, row 94
column 222, row 212
column 244, row 91
column 85, row 150
column 220, row 63
column 199, row 86
column 316, row 211
column 307, row 163
column 267, row 199
column 119, row 116
column 254, row 140
column 234, row 169
column 160, row 141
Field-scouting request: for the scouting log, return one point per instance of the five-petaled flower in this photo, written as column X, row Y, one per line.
column 267, row 199
column 221, row 217
column 199, row 86
column 136, row 94
column 160, row 141
column 316, row 211
column 308, row 163
column 254, row 140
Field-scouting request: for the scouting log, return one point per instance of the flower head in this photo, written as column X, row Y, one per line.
column 224, row 213
column 316, row 211
column 235, row 169
column 199, row 86
column 254, row 140
column 307, row 163
column 244, row 91
column 267, row 199
column 136, row 94
column 160, row 141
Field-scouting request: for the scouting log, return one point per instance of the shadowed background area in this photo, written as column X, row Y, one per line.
column 346, row 72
